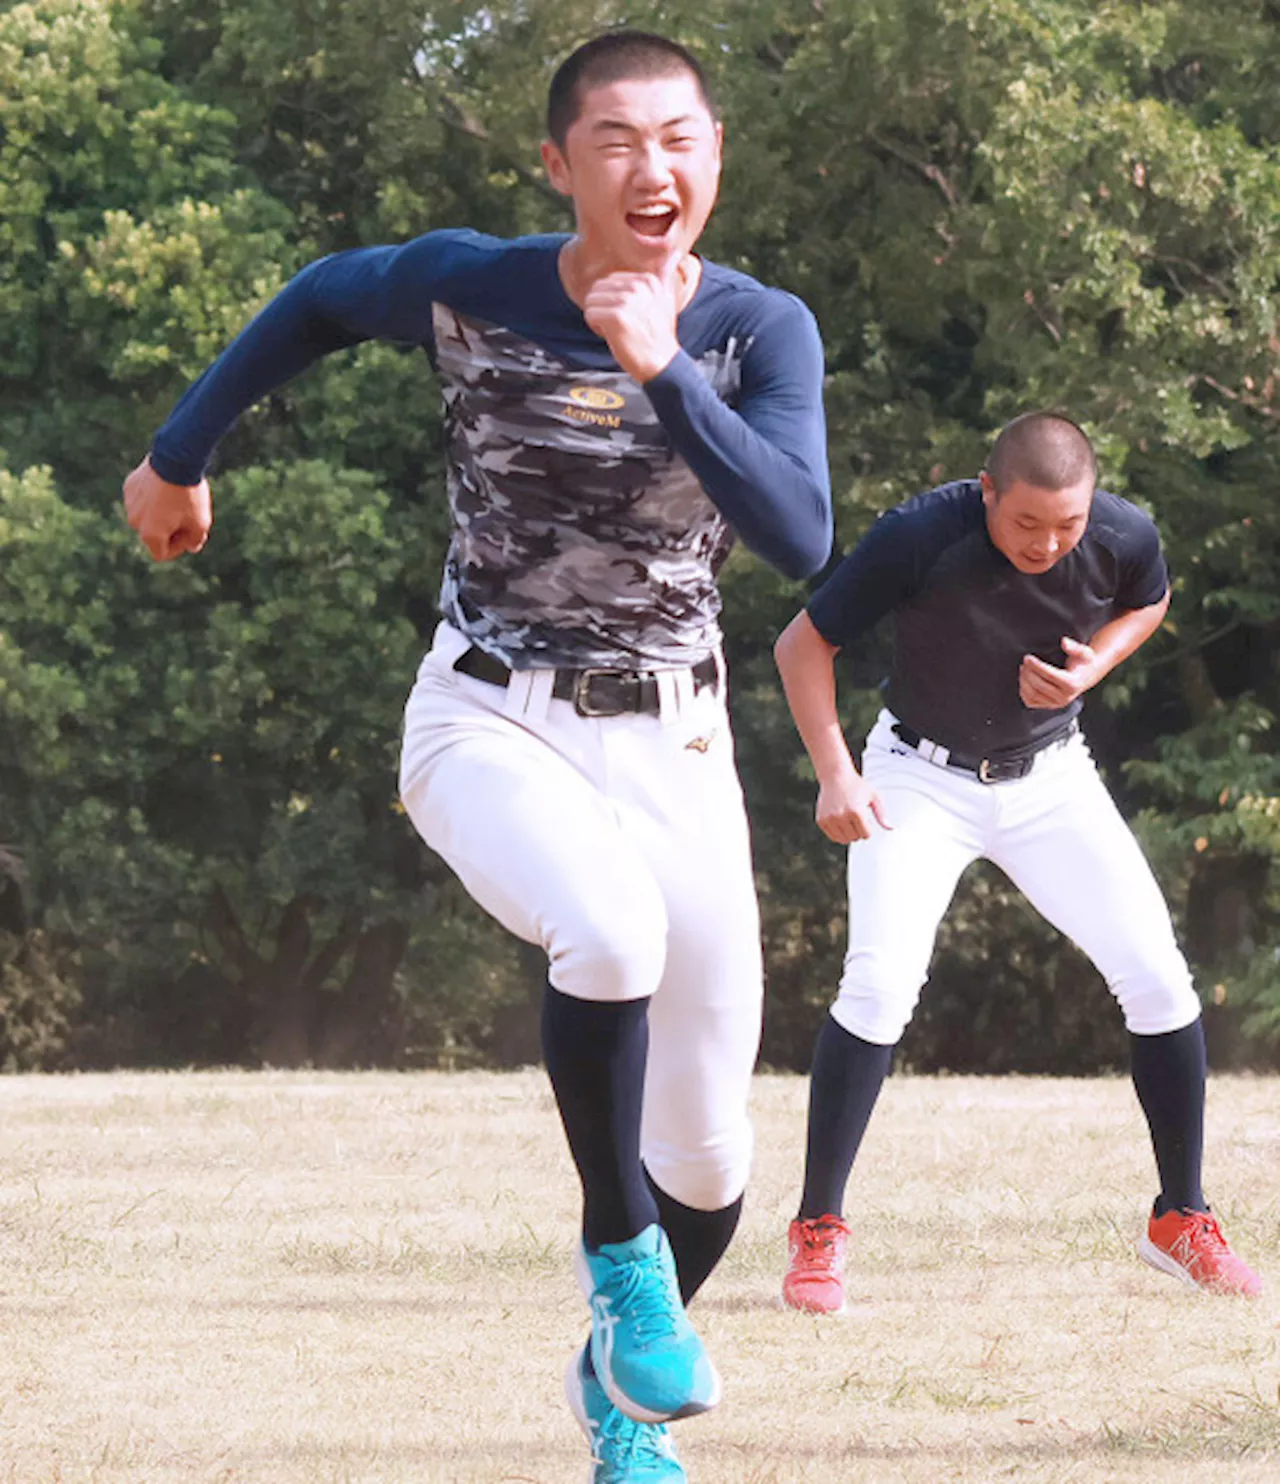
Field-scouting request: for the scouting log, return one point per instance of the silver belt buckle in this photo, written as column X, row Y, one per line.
column 582, row 694
column 983, row 772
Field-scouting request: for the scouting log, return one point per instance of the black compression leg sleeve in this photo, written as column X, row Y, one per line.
column 847, row 1075
column 1168, row 1074
column 698, row 1238
column 595, row 1053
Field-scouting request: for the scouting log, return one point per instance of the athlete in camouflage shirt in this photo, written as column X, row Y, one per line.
column 616, row 409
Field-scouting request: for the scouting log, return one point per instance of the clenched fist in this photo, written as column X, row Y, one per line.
column 169, row 518
column 635, row 315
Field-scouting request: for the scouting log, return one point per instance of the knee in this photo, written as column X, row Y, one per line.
column 1156, row 995
column 877, row 997
column 707, row 1176
column 617, row 951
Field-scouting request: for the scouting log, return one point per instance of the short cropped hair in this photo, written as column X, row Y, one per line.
column 1042, row 449
column 612, row 57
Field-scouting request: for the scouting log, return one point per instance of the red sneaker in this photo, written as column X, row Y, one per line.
column 815, row 1268
column 1190, row 1246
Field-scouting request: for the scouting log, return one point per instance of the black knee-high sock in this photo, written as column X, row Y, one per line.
column 847, row 1076
column 595, row 1054
column 1168, row 1075
column 698, row 1238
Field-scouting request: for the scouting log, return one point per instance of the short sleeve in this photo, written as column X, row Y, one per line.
column 1144, row 575
column 877, row 576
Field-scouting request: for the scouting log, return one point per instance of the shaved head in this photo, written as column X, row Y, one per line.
column 617, row 56
column 1042, row 449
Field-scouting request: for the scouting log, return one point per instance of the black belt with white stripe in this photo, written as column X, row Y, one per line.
column 594, row 692
column 988, row 769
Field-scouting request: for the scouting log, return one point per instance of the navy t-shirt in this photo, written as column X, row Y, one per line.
column 590, row 514
column 964, row 615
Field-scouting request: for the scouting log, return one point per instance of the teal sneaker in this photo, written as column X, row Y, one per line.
column 622, row 1451
column 643, row 1348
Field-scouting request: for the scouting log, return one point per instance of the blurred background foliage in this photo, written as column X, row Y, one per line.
column 991, row 205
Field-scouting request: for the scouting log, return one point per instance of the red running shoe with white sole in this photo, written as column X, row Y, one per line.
column 815, row 1267
column 1189, row 1245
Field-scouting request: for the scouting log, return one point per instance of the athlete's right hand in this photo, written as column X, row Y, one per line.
column 846, row 807
column 169, row 518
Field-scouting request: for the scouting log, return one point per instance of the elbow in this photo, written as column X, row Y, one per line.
column 784, row 645
column 799, row 646
column 807, row 551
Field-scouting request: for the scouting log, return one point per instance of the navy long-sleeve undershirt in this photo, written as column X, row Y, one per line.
column 760, row 456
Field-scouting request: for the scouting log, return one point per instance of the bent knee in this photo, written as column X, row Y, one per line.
column 1158, row 997
column 617, row 953
column 707, row 1177
column 877, row 998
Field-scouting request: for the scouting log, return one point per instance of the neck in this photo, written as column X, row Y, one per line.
column 582, row 267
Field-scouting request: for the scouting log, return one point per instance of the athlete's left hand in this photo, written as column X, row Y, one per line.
column 635, row 315
column 1047, row 688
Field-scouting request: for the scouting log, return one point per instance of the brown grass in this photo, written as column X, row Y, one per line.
column 270, row 1279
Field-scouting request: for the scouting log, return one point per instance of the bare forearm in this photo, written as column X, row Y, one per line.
column 1116, row 641
column 806, row 663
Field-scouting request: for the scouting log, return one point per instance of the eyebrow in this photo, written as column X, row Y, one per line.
column 602, row 124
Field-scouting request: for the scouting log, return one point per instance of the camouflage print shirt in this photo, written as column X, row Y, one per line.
column 590, row 514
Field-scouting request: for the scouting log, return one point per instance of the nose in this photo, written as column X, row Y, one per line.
column 653, row 169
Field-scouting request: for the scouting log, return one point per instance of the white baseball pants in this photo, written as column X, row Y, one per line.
column 1056, row 834
column 619, row 845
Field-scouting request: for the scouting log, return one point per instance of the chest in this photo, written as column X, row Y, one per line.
column 532, row 432
column 975, row 596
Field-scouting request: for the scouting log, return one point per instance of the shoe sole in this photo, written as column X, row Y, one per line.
column 573, row 1395
column 637, row 1413
column 785, row 1303
column 1163, row 1263
column 619, row 1398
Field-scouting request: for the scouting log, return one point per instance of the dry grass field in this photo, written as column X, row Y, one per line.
column 272, row 1279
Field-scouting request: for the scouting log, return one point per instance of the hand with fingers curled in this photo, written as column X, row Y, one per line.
column 635, row 315
column 1046, row 687
column 170, row 519
column 847, row 807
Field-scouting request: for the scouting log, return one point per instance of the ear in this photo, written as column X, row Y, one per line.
column 989, row 492
column 557, row 167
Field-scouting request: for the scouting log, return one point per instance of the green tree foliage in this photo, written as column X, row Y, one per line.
column 990, row 204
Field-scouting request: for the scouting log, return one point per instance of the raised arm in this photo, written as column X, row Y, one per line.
column 846, row 802
column 763, row 462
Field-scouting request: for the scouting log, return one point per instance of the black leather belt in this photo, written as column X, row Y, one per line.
column 987, row 769
column 593, row 692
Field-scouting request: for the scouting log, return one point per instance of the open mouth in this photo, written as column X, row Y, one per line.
column 654, row 222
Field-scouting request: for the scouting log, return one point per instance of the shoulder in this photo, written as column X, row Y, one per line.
column 941, row 515
column 1120, row 525
column 751, row 307
column 461, row 250
column 913, row 535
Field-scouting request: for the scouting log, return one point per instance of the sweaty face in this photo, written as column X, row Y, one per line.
column 1036, row 528
column 642, row 164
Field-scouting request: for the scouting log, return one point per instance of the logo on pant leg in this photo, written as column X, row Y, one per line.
column 700, row 744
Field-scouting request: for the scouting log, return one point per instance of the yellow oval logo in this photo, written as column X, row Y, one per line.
column 597, row 398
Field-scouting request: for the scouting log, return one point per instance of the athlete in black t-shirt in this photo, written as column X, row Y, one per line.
column 1011, row 596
